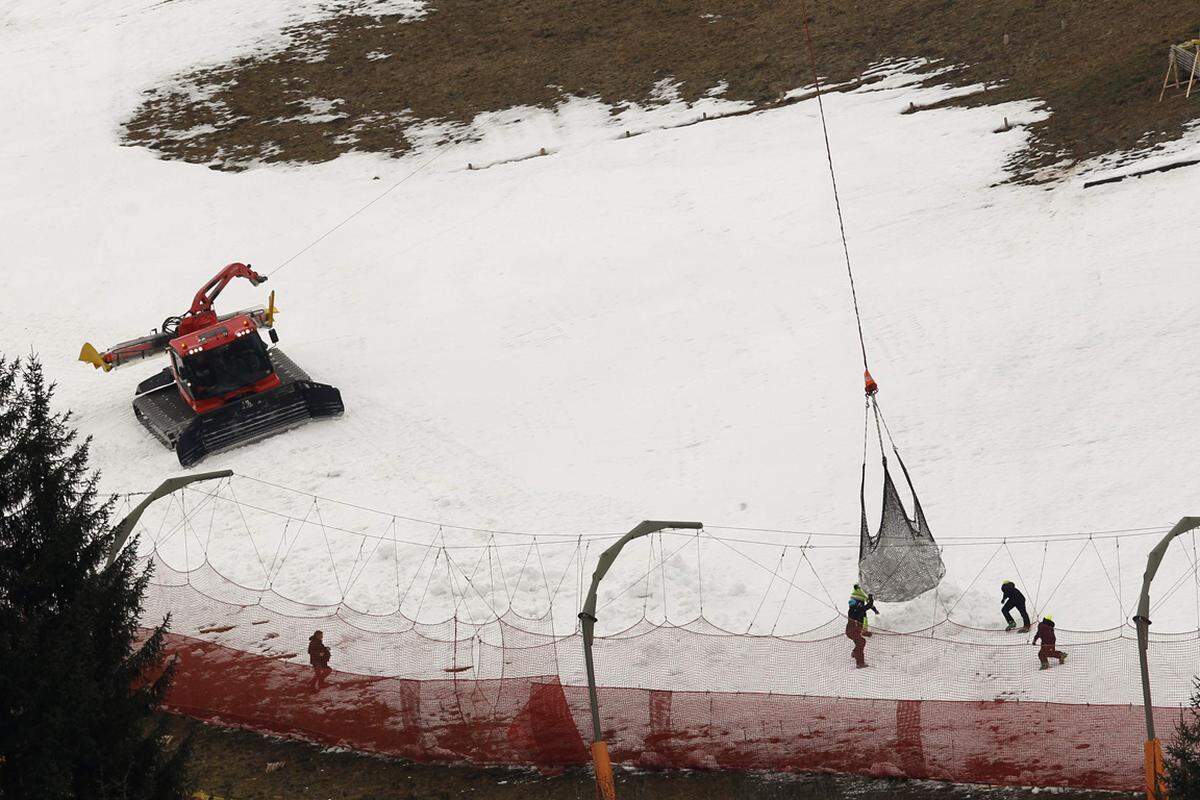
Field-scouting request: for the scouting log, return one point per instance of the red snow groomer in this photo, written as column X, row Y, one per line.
column 224, row 387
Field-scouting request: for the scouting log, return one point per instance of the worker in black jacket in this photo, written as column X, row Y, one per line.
column 1011, row 598
column 855, row 618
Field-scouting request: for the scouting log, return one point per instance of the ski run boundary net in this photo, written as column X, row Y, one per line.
column 948, row 702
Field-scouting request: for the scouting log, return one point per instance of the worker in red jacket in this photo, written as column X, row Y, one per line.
column 318, row 656
column 1045, row 632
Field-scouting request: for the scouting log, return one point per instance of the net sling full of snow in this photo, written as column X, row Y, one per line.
column 901, row 560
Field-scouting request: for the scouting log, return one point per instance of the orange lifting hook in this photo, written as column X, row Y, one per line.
column 872, row 387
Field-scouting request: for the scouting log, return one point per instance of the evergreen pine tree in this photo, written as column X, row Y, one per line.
column 1181, row 761
column 78, row 693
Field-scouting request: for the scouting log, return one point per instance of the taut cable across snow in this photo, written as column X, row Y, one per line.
column 386, row 515
column 812, row 63
column 901, row 559
column 361, row 209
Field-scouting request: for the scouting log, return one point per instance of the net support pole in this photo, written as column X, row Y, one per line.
column 604, row 779
column 125, row 526
column 1153, row 749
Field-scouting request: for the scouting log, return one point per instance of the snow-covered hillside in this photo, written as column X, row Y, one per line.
column 629, row 328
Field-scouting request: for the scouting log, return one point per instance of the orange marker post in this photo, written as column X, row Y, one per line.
column 1154, row 769
column 605, row 789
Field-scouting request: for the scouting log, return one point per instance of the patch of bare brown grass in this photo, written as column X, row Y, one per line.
column 1097, row 65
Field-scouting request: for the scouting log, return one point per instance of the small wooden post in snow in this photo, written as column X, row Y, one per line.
column 1166, row 78
column 1192, row 79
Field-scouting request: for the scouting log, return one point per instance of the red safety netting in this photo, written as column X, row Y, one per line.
column 948, row 702
column 538, row 721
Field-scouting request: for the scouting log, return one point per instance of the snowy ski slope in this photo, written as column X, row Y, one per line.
column 652, row 327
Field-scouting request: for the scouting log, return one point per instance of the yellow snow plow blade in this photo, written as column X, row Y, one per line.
column 92, row 356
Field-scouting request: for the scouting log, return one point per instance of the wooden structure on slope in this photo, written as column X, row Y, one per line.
column 1182, row 60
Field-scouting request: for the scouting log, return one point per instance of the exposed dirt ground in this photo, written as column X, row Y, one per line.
column 239, row 765
column 1097, row 64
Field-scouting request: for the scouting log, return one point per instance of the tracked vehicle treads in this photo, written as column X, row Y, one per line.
column 224, row 387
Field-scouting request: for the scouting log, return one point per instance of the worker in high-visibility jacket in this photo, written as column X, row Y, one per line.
column 854, row 618
column 867, row 600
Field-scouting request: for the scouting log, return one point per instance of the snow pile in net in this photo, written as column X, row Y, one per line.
column 901, row 560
